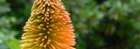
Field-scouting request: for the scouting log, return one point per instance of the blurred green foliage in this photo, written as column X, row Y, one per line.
column 98, row 24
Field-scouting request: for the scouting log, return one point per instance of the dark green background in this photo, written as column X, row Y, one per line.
column 98, row 24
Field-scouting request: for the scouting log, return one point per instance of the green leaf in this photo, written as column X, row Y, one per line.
column 14, row 44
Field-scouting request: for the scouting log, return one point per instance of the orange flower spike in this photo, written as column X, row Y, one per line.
column 49, row 27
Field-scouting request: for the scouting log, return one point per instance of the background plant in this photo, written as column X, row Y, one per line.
column 98, row 24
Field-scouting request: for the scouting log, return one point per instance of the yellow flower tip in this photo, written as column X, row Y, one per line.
column 49, row 27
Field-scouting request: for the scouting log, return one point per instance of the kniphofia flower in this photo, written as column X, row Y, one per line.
column 49, row 27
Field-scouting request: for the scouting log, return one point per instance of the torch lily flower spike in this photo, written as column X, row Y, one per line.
column 48, row 27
